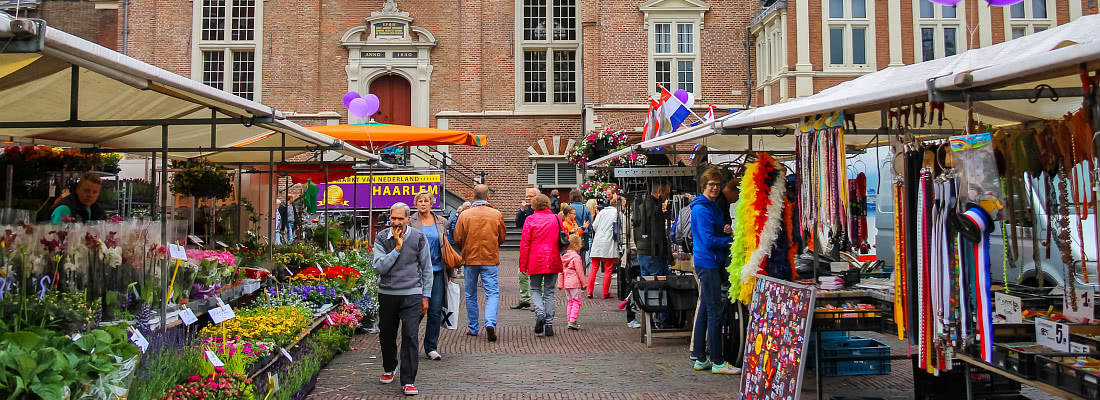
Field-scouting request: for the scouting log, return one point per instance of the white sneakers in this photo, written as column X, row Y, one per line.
column 634, row 324
column 435, row 355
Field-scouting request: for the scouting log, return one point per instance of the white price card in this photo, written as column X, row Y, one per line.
column 219, row 300
column 139, row 339
column 222, row 244
column 1086, row 302
column 272, row 381
column 214, row 360
column 76, row 336
column 1078, row 348
column 320, row 270
column 286, row 354
column 188, row 317
column 345, row 299
column 839, row 266
column 195, row 239
column 1052, row 334
column 177, row 252
column 1009, row 307
column 222, row 314
column 329, row 318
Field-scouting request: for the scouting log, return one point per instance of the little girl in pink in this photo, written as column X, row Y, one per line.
column 572, row 279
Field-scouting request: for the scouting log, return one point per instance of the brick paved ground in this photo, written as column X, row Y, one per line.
column 604, row 360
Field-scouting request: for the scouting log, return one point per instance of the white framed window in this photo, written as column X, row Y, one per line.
column 555, row 174
column 939, row 30
column 848, row 35
column 1027, row 17
column 227, row 45
column 549, row 58
column 674, row 31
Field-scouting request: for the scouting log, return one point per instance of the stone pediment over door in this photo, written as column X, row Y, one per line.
column 389, row 44
column 694, row 9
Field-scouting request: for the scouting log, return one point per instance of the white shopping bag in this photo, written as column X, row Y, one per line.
column 451, row 306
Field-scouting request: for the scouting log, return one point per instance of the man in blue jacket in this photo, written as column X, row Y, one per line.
column 711, row 241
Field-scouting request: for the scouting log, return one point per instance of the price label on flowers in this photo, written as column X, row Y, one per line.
column 222, row 314
column 76, row 336
column 345, row 298
column 286, row 354
column 139, row 339
column 222, row 244
column 177, row 252
column 213, row 359
column 188, row 317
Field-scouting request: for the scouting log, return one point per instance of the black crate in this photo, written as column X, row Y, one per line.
column 1019, row 358
column 949, row 383
column 861, row 319
column 1073, row 379
column 1005, row 333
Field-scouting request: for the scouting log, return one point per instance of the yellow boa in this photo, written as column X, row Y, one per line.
column 745, row 238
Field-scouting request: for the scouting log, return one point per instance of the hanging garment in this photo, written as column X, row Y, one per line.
column 924, row 264
column 900, row 302
column 979, row 269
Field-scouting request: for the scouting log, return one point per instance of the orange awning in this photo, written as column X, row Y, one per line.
column 380, row 136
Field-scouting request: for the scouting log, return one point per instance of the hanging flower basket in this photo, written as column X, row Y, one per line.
column 200, row 179
column 598, row 190
column 596, row 145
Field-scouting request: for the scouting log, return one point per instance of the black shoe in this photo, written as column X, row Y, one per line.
column 521, row 305
column 492, row 331
column 538, row 326
column 549, row 330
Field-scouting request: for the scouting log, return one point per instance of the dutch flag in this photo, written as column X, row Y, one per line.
column 673, row 109
column 652, row 126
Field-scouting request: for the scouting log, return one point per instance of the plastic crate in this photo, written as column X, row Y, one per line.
column 852, row 347
column 1019, row 358
column 1073, row 379
column 948, row 384
column 855, row 319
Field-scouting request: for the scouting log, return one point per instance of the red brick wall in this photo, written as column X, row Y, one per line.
column 907, row 29
column 822, row 83
column 792, row 38
column 1085, row 8
column 81, row 19
column 882, row 35
column 997, row 21
column 1061, row 8
column 160, row 34
column 816, row 45
column 723, row 51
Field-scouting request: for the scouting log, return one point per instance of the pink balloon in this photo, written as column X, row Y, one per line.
column 348, row 97
column 682, row 95
column 372, row 103
column 358, row 108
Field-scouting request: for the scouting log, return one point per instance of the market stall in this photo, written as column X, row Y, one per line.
column 78, row 299
column 1021, row 120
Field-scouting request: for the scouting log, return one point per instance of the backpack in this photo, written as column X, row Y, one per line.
column 681, row 233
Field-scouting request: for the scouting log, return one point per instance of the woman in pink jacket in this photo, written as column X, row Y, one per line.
column 540, row 258
column 572, row 279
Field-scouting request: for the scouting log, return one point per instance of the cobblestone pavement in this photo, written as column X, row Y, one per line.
column 603, row 360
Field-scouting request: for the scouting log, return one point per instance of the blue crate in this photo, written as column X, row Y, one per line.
column 852, row 346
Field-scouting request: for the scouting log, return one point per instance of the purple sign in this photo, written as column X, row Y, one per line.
column 386, row 189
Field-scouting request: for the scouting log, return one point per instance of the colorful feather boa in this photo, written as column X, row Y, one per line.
column 758, row 222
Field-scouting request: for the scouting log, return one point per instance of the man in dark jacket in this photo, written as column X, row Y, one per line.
column 654, row 252
column 80, row 205
column 555, row 201
column 524, row 281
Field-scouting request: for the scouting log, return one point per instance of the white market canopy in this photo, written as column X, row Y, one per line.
column 1052, row 57
column 124, row 104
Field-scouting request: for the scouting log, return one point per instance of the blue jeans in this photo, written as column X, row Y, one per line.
column 435, row 310
column 655, row 266
column 488, row 274
column 708, row 324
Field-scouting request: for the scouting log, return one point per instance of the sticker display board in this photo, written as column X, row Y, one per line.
column 355, row 192
column 780, row 318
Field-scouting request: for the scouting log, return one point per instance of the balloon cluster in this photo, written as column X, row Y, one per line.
column 998, row 3
column 685, row 97
column 361, row 106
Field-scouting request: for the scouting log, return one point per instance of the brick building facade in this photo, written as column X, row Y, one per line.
column 804, row 46
column 532, row 75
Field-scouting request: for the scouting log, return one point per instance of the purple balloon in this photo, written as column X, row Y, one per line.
column 1002, row 3
column 372, row 103
column 947, row 2
column 358, row 108
column 348, row 97
column 682, row 95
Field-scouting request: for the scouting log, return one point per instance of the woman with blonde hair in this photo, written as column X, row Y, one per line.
column 593, row 207
column 433, row 226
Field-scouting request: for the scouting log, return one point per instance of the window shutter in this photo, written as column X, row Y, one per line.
column 567, row 174
column 545, row 174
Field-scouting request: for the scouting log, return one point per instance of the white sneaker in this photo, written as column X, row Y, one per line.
column 434, row 355
column 634, row 324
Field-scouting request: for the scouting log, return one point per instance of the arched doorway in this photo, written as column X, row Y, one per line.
column 395, row 97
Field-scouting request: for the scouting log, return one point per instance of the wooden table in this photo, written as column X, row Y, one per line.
column 968, row 361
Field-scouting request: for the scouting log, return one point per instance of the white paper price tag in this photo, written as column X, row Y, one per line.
column 188, row 317
column 1086, row 302
column 139, row 339
column 76, row 336
column 321, row 270
column 195, row 239
column 222, row 244
column 177, row 252
column 1075, row 347
column 839, row 266
column 1052, row 334
column 273, row 381
column 214, row 360
column 286, row 354
column 1009, row 307
column 222, row 314
column 345, row 298
column 329, row 319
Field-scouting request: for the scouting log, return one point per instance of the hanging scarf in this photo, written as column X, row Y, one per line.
column 924, row 231
column 980, row 272
column 759, row 220
column 900, row 301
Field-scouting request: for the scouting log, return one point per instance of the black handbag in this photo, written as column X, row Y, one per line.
column 563, row 237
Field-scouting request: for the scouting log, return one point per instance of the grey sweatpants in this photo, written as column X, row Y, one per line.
column 542, row 296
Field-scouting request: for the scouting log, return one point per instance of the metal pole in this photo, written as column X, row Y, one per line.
column 443, row 190
column 325, row 163
column 7, row 190
column 355, row 208
column 270, row 204
column 74, row 93
column 153, row 179
column 164, row 221
column 370, row 207
column 240, row 225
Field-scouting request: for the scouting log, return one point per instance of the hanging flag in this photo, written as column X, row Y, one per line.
column 673, row 109
column 710, row 114
column 652, row 125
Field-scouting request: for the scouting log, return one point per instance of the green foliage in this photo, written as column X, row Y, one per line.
column 166, row 369
column 305, row 367
column 332, row 341
column 200, row 179
column 62, row 312
column 335, row 235
column 42, row 364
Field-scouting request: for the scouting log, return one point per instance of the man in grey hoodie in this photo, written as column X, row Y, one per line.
column 404, row 264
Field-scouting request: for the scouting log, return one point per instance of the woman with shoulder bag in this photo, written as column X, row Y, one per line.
column 540, row 258
column 433, row 226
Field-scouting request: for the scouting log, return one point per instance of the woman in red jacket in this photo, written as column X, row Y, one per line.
column 540, row 258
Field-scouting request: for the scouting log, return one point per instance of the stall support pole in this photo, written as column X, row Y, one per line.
column 817, row 361
column 370, row 208
column 443, row 190
column 164, row 222
column 325, row 163
column 153, row 179
column 7, row 190
column 355, row 209
column 270, row 205
column 240, row 225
